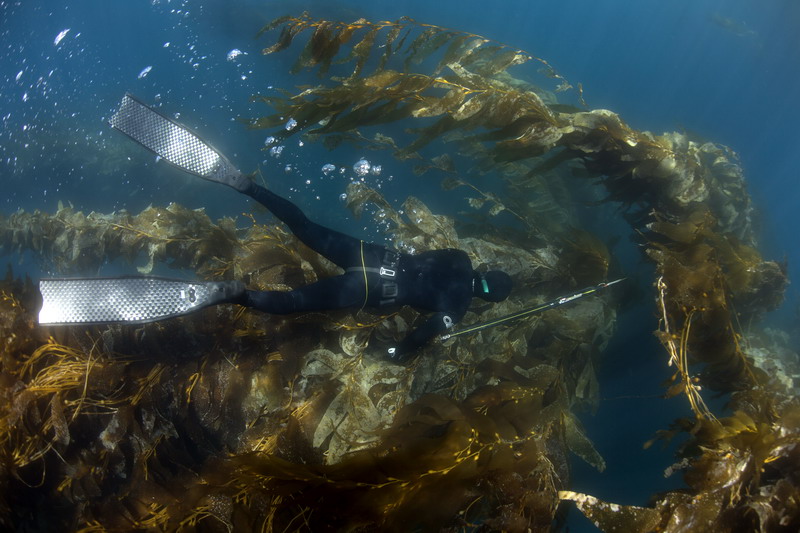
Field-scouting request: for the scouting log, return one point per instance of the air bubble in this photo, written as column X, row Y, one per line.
column 361, row 168
column 233, row 54
column 328, row 168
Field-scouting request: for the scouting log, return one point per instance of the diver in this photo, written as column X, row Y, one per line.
column 439, row 281
column 442, row 282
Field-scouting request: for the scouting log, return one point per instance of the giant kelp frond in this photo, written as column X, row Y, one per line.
column 465, row 89
column 414, row 42
column 76, row 242
column 707, row 282
column 461, row 101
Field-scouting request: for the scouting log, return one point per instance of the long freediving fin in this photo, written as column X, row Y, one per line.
column 175, row 143
column 135, row 299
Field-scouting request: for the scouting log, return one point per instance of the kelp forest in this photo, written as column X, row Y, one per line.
column 234, row 420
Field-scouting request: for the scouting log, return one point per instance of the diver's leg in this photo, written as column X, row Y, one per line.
column 342, row 249
column 337, row 292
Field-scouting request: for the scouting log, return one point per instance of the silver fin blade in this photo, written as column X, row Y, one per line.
column 136, row 299
column 173, row 142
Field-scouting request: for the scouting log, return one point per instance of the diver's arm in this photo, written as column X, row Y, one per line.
column 437, row 324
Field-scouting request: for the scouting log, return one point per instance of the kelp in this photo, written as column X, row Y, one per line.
column 667, row 179
column 234, row 420
column 464, row 453
column 418, row 43
column 237, row 419
column 741, row 472
column 685, row 200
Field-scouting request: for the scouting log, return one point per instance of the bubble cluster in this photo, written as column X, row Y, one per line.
column 361, row 167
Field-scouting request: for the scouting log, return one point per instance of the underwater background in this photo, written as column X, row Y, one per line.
column 719, row 71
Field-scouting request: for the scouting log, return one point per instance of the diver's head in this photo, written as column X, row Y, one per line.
column 494, row 286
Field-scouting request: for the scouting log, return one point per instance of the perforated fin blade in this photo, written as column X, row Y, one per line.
column 174, row 143
column 136, row 299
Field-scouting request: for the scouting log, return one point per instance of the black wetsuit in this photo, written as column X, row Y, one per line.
column 439, row 281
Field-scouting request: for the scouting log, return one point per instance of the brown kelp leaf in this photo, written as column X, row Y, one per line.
column 425, row 44
column 431, row 107
column 459, row 49
column 442, row 162
column 448, row 184
column 387, row 45
column 497, row 208
column 437, row 227
column 382, row 79
column 502, row 60
column 285, row 40
column 580, row 444
column 471, row 107
column 613, row 518
column 321, row 48
column 362, row 50
column 275, row 23
column 58, row 420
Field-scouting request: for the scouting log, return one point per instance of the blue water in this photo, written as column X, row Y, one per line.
column 663, row 66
